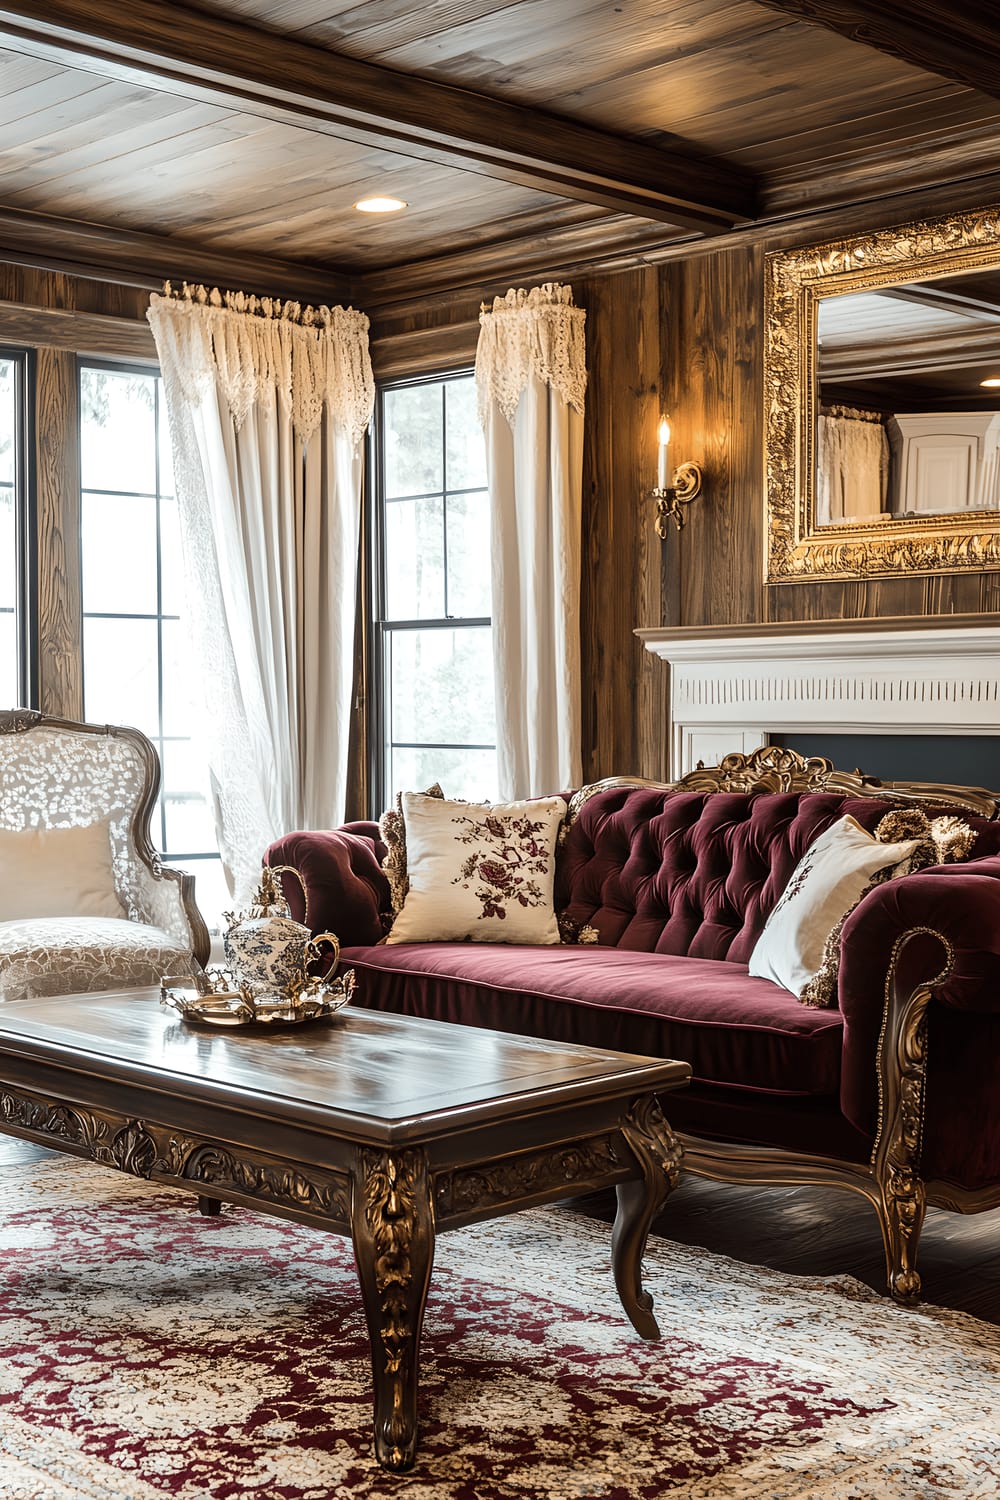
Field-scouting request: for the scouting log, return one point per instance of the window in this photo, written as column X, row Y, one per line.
column 433, row 639
column 134, row 666
column 17, row 657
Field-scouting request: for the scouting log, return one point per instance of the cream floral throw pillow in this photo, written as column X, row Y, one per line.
column 796, row 947
column 480, row 871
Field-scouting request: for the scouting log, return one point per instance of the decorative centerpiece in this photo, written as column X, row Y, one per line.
column 268, row 955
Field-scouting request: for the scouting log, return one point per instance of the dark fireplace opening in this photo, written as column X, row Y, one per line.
column 954, row 759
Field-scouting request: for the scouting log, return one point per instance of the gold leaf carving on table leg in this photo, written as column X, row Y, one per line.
column 658, row 1155
column 393, row 1227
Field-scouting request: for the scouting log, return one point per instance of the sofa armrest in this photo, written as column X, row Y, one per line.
column 952, row 914
column 343, row 889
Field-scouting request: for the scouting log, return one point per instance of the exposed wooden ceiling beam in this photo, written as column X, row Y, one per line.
column 221, row 61
column 131, row 258
column 957, row 40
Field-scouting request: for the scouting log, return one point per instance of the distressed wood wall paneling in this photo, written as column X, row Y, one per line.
column 58, row 486
column 713, row 312
column 622, row 558
column 940, row 594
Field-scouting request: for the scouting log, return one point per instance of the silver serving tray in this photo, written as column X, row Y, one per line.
column 219, row 1006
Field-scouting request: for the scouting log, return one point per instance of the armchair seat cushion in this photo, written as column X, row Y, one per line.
column 733, row 1029
column 42, row 956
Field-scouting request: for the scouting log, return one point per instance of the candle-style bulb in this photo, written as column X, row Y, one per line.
column 663, row 438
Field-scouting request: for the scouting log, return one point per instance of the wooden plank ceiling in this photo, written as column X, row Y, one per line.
column 240, row 133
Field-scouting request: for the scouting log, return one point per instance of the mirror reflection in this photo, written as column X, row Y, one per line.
column 908, row 400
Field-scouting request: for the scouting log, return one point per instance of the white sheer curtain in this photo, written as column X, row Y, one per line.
column 267, row 405
column 531, row 378
column 852, row 468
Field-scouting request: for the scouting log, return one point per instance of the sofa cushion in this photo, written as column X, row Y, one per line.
column 77, row 955
column 480, row 871
column 731, row 1028
column 58, row 872
column 827, row 883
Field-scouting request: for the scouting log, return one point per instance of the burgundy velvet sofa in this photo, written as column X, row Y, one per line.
column 895, row 1093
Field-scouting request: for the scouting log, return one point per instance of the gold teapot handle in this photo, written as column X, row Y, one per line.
column 316, row 942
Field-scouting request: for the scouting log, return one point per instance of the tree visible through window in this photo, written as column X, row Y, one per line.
column 135, row 667
column 434, row 637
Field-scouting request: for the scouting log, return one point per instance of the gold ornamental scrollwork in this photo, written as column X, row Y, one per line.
column 773, row 768
column 796, row 281
column 472, row 1189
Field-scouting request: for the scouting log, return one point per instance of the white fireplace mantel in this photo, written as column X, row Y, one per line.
column 732, row 687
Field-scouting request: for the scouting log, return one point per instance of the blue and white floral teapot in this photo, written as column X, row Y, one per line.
column 268, row 953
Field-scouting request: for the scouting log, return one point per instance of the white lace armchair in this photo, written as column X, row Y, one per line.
column 84, row 902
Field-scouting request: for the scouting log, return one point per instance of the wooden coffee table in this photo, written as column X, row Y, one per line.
column 382, row 1127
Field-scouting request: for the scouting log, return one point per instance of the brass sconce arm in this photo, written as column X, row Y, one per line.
column 669, row 501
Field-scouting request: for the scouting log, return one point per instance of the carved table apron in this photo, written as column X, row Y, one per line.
column 386, row 1128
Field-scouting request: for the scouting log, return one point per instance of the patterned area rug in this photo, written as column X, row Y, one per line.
column 150, row 1352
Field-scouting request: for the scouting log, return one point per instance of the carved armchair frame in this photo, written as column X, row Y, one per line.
column 23, row 721
column 922, row 959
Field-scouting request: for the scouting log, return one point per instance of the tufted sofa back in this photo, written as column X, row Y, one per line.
column 698, row 873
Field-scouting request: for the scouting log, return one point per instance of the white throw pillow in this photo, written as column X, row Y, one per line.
column 827, row 883
column 479, row 870
column 57, row 872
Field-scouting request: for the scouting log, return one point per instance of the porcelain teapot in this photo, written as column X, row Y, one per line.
column 268, row 953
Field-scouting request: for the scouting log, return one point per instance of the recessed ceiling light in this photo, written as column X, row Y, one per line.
column 379, row 205
column 994, row 380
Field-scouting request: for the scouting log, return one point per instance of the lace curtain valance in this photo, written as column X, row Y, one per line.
column 537, row 332
column 260, row 349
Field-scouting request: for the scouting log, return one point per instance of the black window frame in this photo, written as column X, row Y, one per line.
column 25, row 524
column 380, row 629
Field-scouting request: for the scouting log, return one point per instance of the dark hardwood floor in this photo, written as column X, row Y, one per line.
column 804, row 1231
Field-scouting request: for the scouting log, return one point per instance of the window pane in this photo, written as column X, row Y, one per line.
column 211, row 893
column 9, row 694
column 120, row 677
column 118, row 539
column 412, row 438
column 166, row 452
column 171, row 564
column 8, row 548
column 469, row 555
column 10, row 673
column 178, row 712
column 468, row 774
column 190, row 827
column 466, row 447
column 117, row 431
column 441, row 685
column 414, row 559
column 8, row 423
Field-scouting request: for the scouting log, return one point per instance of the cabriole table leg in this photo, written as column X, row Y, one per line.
column 658, row 1154
column 392, row 1225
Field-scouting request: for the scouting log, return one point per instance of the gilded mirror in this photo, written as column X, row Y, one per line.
column 882, row 431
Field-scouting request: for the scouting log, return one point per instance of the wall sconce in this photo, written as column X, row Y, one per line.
column 686, row 484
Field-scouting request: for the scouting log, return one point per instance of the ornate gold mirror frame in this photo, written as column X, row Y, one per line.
column 795, row 284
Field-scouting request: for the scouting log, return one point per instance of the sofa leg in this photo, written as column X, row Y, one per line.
column 902, row 1077
column 901, row 1217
